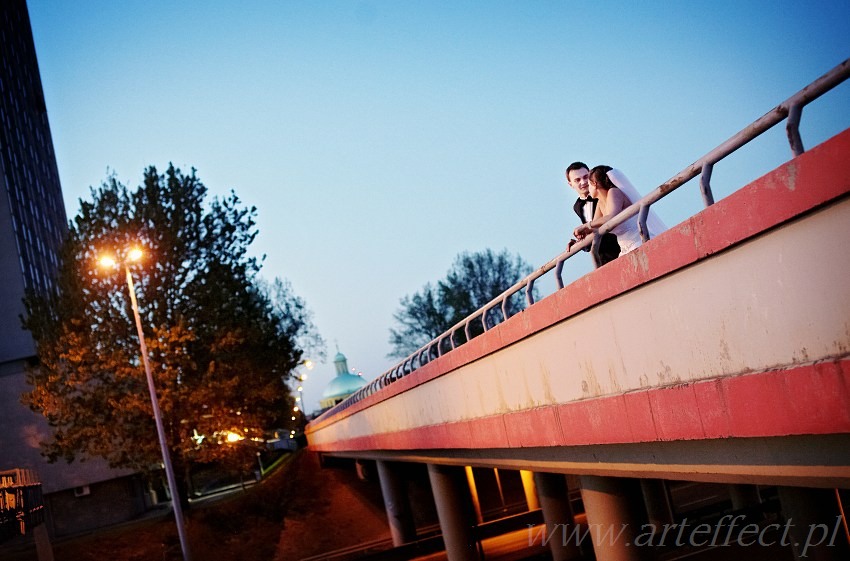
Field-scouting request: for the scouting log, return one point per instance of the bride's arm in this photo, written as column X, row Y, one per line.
column 617, row 201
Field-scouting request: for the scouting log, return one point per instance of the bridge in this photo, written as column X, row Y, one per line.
column 717, row 352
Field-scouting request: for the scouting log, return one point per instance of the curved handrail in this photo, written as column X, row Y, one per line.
column 791, row 109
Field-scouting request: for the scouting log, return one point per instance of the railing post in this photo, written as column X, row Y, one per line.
column 559, row 282
column 643, row 213
column 705, row 184
column 594, row 250
column 792, row 127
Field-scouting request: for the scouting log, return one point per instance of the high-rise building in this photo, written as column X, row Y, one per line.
column 32, row 214
column 32, row 226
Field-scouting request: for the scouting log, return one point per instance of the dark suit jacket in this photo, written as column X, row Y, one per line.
column 609, row 249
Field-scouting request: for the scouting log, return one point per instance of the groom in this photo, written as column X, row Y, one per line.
column 585, row 206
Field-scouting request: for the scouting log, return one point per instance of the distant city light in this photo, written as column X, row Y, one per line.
column 233, row 437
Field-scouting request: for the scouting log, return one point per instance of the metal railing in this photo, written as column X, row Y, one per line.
column 790, row 109
column 21, row 503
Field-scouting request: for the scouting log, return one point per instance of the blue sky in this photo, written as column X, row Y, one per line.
column 379, row 139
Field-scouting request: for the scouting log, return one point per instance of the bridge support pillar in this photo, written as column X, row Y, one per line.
column 554, row 499
column 657, row 500
column 396, row 502
column 744, row 496
column 613, row 506
column 529, row 488
column 814, row 524
column 454, row 509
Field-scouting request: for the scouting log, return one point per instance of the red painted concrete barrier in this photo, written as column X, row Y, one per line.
column 800, row 397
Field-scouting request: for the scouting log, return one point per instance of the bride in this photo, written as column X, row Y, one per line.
column 615, row 193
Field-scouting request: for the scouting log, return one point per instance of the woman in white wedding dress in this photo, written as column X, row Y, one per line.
column 615, row 193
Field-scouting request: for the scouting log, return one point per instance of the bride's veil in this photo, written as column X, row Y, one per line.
column 653, row 223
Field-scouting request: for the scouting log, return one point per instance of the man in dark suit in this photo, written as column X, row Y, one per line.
column 585, row 206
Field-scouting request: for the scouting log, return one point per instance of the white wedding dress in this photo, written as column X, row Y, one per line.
column 628, row 234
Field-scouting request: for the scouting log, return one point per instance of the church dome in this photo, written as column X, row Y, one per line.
column 343, row 385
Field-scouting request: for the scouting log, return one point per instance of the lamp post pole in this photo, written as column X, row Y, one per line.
column 160, row 430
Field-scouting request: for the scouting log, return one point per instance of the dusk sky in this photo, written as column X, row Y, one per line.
column 378, row 139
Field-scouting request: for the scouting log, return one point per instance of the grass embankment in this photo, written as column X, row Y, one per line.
column 241, row 526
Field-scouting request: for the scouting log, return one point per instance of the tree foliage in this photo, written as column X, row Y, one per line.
column 473, row 280
column 221, row 343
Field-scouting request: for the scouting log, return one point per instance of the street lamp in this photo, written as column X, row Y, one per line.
column 108, row 261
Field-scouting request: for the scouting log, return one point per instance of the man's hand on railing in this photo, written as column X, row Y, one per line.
column 582, row 231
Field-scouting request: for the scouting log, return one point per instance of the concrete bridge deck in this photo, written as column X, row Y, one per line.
column 719, row 351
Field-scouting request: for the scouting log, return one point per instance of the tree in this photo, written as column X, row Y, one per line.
column 221, row 343
column 473, row 280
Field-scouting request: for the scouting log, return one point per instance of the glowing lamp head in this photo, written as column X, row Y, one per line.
column 233, row 437
column 107, row 262
column 135, row 254
column 308, row 364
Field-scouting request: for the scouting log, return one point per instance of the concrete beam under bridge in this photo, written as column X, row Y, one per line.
column 807, row 461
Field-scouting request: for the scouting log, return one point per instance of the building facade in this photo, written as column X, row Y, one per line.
column 78, row 496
